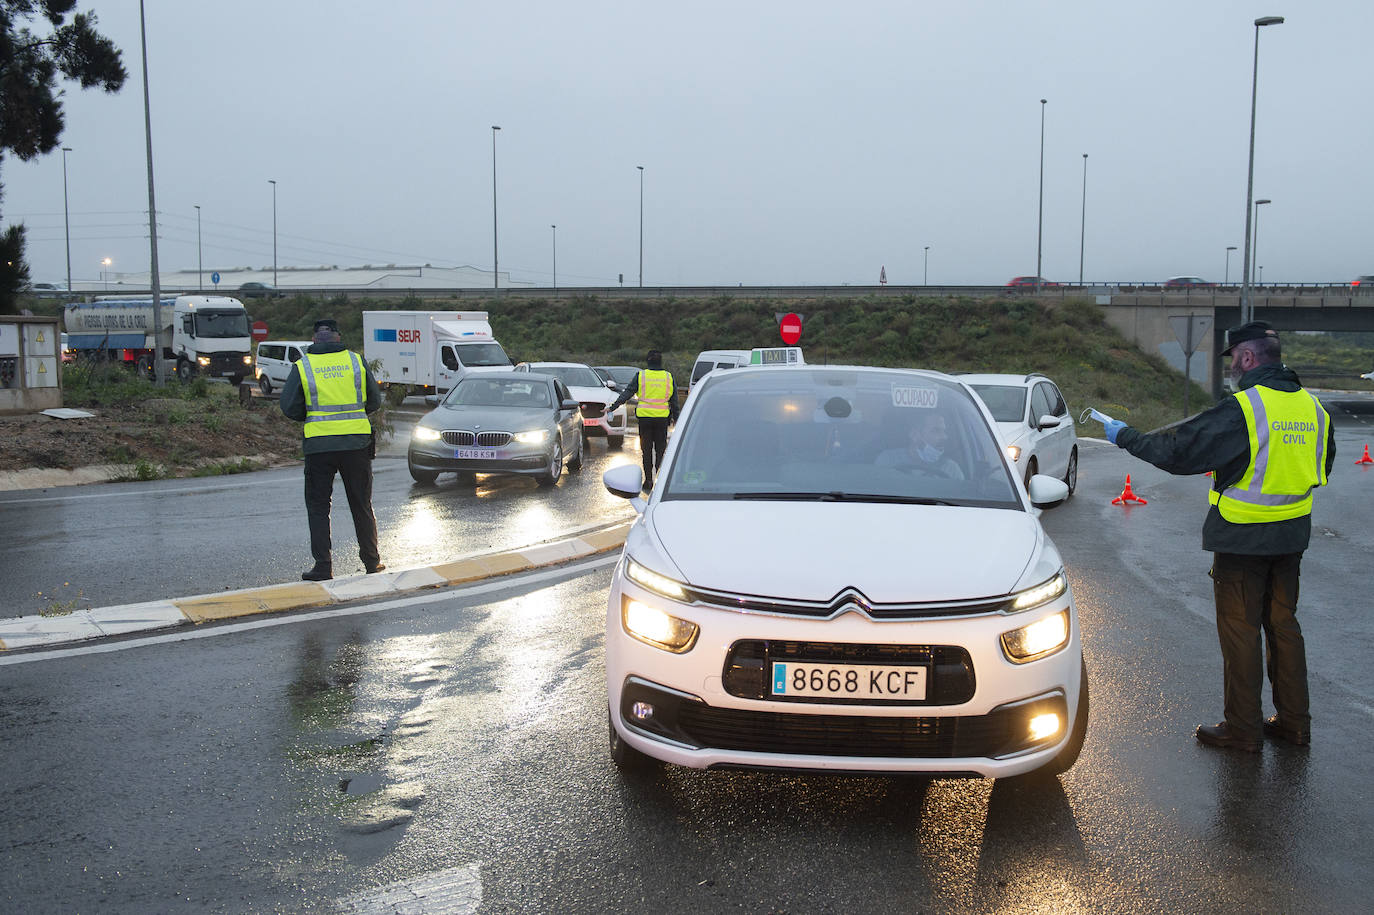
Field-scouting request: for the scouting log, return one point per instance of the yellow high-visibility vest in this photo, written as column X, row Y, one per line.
column 655, row 387
column 335, row 394
column 1287, row 457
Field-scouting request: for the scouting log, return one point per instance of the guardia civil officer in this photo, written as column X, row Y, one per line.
column 1268, row 446
column 331, row 391
column 657, row 408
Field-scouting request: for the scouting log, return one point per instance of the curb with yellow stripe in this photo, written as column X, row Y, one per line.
column 101, row 622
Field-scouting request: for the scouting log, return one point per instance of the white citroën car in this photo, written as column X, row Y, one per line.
column 788, row 599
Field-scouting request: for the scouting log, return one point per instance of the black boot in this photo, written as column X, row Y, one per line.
column 320, row 571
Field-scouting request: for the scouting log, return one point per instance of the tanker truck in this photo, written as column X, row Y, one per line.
column 208, row 335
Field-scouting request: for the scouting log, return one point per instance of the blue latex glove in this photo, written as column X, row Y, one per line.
column 1113, row 428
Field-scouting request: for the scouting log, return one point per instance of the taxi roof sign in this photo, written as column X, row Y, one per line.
column 776, row 355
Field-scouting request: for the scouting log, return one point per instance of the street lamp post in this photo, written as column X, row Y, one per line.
column 1246, row 311
column 495, row 261
column 641, row 225
column 555, row 257
column 1258, row 204
column 1083, row 220
column 1040, row 220
column 66, row 216
column 105, row 273
column 274, row 230
column 1229, row 249
column 200, row 262
column 925, row 268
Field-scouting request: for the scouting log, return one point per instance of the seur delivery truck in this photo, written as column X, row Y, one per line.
column 203, row 334
column 427, row 352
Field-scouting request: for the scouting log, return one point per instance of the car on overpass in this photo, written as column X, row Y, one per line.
column 1188, row 281
column 1031, row 281
column 788, row 599
column 1363, row 283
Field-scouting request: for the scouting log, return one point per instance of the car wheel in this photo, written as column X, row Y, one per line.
column 1032, row 468
column 550, row 476
column 425, row 477
column 576, row 463
column 1071, row 475
column 626, row 758
column 615, row 442
column 264, row 384
column 184, row 369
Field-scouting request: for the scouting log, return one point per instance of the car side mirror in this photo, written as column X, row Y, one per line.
column 570, row 405
column 625, row 481
column 610, row 383
column 1049, row 422
column 1046, row 491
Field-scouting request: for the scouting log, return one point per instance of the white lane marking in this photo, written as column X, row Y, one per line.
column 500, row 584
column 455, row 891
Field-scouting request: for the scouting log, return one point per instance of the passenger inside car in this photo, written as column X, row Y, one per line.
column 927, row 446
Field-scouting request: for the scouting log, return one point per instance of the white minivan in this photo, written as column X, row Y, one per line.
column 273, row 364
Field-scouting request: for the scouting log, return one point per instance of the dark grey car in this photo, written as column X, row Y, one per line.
column 500, row 423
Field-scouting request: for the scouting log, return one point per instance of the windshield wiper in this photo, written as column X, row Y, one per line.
column 840, row 497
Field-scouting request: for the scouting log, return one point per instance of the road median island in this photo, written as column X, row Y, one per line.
column 37, row 631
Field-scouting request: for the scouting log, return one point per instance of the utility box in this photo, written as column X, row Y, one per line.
column 30, row 363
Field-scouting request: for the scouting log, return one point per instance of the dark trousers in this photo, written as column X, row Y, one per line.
column 355, row 469
column 1257, row 594
column 653, row 441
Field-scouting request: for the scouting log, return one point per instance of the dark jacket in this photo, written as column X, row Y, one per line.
column 293, row 405
column 1217, row 440
column 633, row 389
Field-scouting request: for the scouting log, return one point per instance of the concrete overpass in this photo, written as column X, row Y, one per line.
column 1143, row 318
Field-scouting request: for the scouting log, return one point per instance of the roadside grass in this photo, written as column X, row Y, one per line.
column 62, row 602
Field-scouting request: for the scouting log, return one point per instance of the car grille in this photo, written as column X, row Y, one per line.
column 593, row 410
column 748, row 666
column 484, row 439
column 848, row 599
column 689, row 721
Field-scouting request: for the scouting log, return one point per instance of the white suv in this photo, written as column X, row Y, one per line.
column 594, row 395
column 1034, row 422
column 790, row 598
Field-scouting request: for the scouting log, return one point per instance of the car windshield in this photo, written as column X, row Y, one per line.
column 833, row 434
column 1006, row 403
column 482, row 354
column 623, row 374
column 500, row 391
column 221, row 324
column 571, row 375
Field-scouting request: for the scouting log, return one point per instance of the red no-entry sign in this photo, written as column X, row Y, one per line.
column 790, row 328
column 259, row 330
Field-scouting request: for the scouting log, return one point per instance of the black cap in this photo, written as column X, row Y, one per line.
column 1255, row 330
column 653, row 357
column 326, row 324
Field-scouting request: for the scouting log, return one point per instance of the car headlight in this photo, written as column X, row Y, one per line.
column 655, row 582
column 1042, row 637
column 203, row 360
column 247, row 360
column 425, row 434
column 653, row 626
column 535, row 437
column 1014, row 452
column 1041, row 593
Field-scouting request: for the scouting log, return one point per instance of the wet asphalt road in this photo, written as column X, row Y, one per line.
column 456, row 740
column 131, row 542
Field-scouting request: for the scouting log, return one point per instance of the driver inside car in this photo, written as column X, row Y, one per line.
column 926, row 449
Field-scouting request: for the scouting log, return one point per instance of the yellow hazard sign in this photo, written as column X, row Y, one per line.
column 39, row 338
column 42, row 369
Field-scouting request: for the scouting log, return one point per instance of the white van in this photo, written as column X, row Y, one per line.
column 273, row 363
column 712, row 359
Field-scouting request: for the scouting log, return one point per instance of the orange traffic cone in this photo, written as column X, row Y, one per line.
column 1366, row 459
column 1127, row 496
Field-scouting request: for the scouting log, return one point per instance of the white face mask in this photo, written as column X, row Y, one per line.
column 930, row 454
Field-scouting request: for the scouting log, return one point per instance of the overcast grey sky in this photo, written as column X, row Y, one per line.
column 782, row 142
